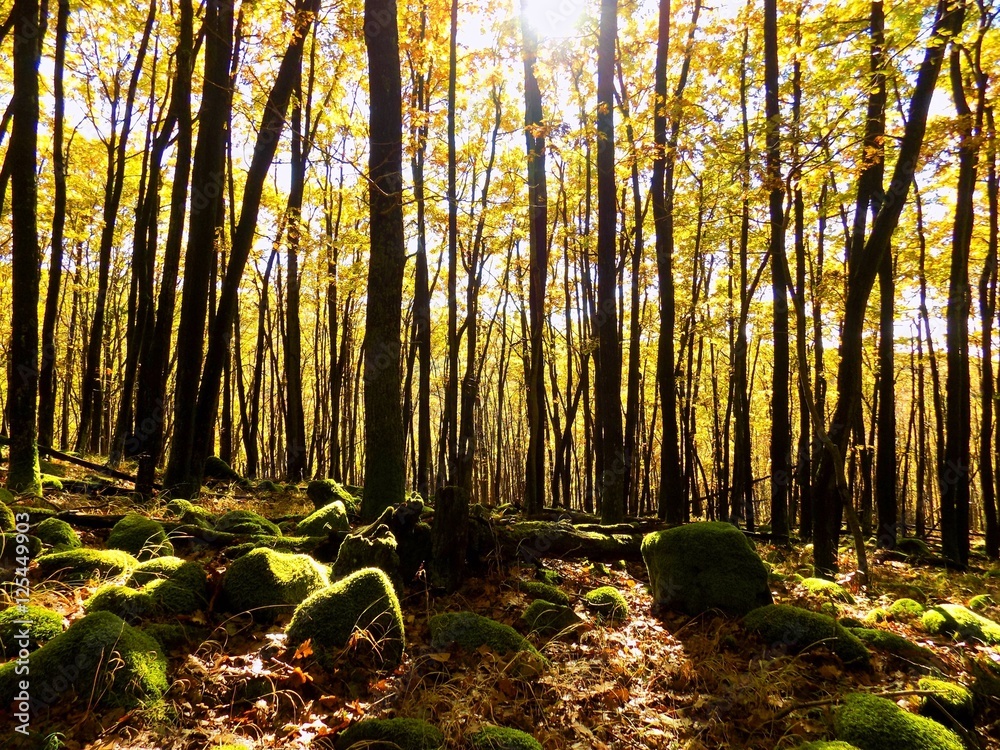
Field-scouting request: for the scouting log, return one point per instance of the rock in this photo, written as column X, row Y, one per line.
column 894, row 644
column 140, row 536
column 332, row 517
column 469, row 631
column 786, row 627
column 58, row 534
column 913, row 547
column 246, row 522
column 322, row 492
column 43, row 625
column 550, row 619
column 371, row 548
column 364, row 601
column 265, row 581
column 100, row 657
column 268, row 486
column 216, row 468
column 391, row 734
column 828, row 589
column 906, row 610
column 545, row 591
column 703, row 566
column 84, row 564
column 502, row 738
column 827, row 745
column 302, row 545
column 609, row 602
column 12, row 547
column 169, row 635
column 950, row 701
column 7, row 522
column 414, row 547
column 957, row 621
column 164, row 586
column 190, row 513
column 50, row 482
column 874, row 723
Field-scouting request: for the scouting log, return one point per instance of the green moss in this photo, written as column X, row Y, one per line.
column 41, row 625
column 601, row 570
column 981, row 602
column 827, row 745
column 157, row 588
column 268, row 486
column 9, row 548
column 168, row 635
column 986, row 669
column 83, row 564
column 539, row 590
column 333, row 517
column 176, row 569
column 913, row 547
column 50, row 482
column 216, row 468
column 704, row 566
column 364, row 601
column 302, row 545
column 7, row 522
column 397, row 734
column 7, row 497
column 246, row 522
column 503, row 738
column 322, row 492
column 25, row 477
column 950, row 701
column 956, row 620
column 469, row 631
column 875, row 723
column 550, row 619
column 876, row 615
column 374, row 549
column 550, row 577
column 829, row 589
column 190, row 513
column 894, row 644
column 140, row 536
column 266, row 579
column 785, row 626
column 608, row 601
column 58, row 534
column 99, row 654
column 906, row 609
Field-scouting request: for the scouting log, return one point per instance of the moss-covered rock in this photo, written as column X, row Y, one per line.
column 99, row 657
column 955, row 620
column 906, row 609
column 219, row 470
column 301, row 545
column 414, row 547
column 981, row 602
column 892, row 643
column 827, row 745
column 332, row 517
column 469, row 631
column 874, row 723
column 176, row 569
column 704, row 566
column 12, row 546
column 364, row 601
column 550, row 619
column 37, row 623
column 502, row 738
column 190, row 513
column 322, row 492
column 539, row 590
column 168, row 634
column 876, row 615
column 51, row 482
column 913, row 547
column 268, row 486
column 828, row 589
column 140, row 536
column 7, row 522
column 161, row 587
column 84, row 564
column 796, row 629
column 58, row 534
column 949, row 702
column 373, row 548
column 391, row 734
column 986, row 669
column 266, row 579
column 7, row 497
column 546, row 575
column 246, row 522
column 609, row 602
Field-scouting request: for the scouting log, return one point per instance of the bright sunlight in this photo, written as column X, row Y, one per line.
column 554, row 19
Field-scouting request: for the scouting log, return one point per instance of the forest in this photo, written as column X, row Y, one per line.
column 532, row 374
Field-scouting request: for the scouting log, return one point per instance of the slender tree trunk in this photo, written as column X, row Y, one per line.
column 988, row 307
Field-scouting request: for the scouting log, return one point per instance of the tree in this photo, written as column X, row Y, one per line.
column 385, row 466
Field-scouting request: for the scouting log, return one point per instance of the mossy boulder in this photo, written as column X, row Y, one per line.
column 950, row 701
column 302, row 545
column 190, row 513
column 391, row 734
column 470, row 631
column 140, row 536
column 7, row 522
column 58, row 534
column 11, row 548
column 51, row 482
column 266, row 579
column 550, row 619
column 373, row 548
column 161, row 587
column 906, row 609
column 364, row 601
column 268, row 486
column 786, row 627
column 246, row 522
column 84, row 564
column 502, row 738
column 546, row 575
column 322, row 492
column 827, row 745
column 913, row 547
column 168, row 634
column 955, row 620
column 873, row 723
column 609, row 602
column 896, row 645
column 545, row 591
column 40, row 624
column 101, row 658
column 981, row 602
column 220, row 471
column 332, row 517
column 828, row 589
column 703, row 566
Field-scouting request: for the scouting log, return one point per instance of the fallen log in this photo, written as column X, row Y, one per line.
column 530, row 541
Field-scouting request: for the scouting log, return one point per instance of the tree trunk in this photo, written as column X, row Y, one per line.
column 988, row 306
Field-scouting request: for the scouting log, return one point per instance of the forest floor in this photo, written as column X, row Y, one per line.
column 653, row 681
